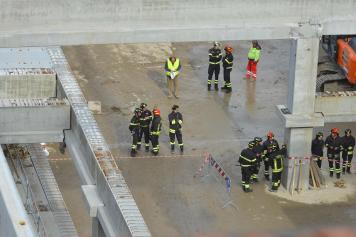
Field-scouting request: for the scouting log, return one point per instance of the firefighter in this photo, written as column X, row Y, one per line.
column 333, row 144
column 253, row 58
column 227, row 65
column 277, row 157
column 258, row 150
column 172, row 68
column 145, row 120
column 134, row 128
column 267, row 152
column 156, row 130
column 317, row 148
column 247, row 161
column 175, row 119
column 348, row 145
column 215, row 56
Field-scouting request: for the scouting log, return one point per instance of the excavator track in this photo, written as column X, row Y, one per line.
column 328, row 72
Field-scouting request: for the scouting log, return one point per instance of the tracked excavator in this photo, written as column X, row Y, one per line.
column 337, row 64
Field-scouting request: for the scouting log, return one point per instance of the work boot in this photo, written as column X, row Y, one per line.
column 249, row 190
column 255, row 180
column 138, row 146
column 272, row 190
column 331, row 174
column 209, row 87
column 343, row 170
column 147, row 148
column 133, row 152
column 223, row 87
column 216, row 87
column 228, row 90
column 172, row 148
column 338, row 175
column 348, row 170
column 154, row 153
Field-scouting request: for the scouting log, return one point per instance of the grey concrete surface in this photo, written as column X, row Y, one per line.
column 33, row 120
column 172, row 202
column 303, row 63
column 49, row 22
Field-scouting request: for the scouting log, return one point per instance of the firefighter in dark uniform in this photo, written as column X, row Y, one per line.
column 175, row 119
column 145, row 120
column 333, row 144
column 247, row 161
column 215, row 56
column 134, row 128
column 317, row 148
column 267, row 145
column 227, row 65
column 348, row 145
column 277, row 157
column 156, row 130
column 258, row 150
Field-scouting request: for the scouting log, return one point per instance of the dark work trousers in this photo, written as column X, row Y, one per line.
column 347, row 158
column 135, row 134
column 255, row 170
column 227, row 78
column 266, row 164
column 276, row 180
column 144, row 131
column 213, row 68
column 155, row 143
column 172, row 137
column 246, row 175
column 334, row 158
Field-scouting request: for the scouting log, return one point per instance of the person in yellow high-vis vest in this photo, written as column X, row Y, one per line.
column 172, row 68
column 253, row 58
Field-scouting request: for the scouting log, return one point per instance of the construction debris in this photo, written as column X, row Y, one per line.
column 340, row 184
column 316, row 179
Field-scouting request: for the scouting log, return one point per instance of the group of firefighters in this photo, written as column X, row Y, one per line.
column 146, row 124
column 335, row 145
column 257, row 152
column 173, row 67
column 216, row 57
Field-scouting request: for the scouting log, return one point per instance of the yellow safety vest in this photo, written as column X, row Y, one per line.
column 254, row 54
column 172, row 67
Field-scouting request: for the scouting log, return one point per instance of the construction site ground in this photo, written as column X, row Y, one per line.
column 172, row 201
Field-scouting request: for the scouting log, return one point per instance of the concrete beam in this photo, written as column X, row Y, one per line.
column 336, row 107
column 119, row 214
column 14, row 220
column 93, row 200
column 50, row 22
column 299, row 120
column 33, row 120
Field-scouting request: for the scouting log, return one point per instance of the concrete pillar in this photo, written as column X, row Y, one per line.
column 301, row 99
column 97, row 229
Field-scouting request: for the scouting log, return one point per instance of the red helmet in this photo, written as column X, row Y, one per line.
column 156, row 112
column 335, row 130
column 270, row 134
column 228, row 48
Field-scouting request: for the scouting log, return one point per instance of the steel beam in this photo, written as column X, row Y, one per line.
column 50, row 22
column 33, row 120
